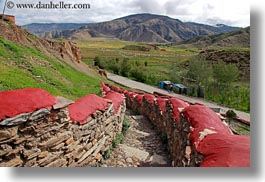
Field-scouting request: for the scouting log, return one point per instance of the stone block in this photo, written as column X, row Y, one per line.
column 8, row 132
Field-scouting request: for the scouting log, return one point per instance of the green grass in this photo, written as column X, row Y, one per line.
column 24, row 67
column 159, row 61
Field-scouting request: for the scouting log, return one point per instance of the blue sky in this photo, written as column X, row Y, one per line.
column 230, row 12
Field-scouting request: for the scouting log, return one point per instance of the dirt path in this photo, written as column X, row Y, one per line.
column 141, row 147
column 147, row 88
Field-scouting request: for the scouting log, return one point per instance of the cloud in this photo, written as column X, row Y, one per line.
column 178, row 7
column 229, row 12
column 217, row 20
column 147, row 6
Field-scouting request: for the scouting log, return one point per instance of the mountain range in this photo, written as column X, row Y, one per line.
column 40, row 28
column 237, row 38
column 138, row 28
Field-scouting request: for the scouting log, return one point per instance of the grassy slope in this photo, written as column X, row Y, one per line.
column 23, row 67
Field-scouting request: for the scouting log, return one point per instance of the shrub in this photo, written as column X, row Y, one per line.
column 138, row 74
column 225, row 74
column 125, row 67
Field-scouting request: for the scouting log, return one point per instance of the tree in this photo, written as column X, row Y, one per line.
column 138, row 74
column 96, row 61
column 225, row 74
column 199, row 70
column 115, row 68
column 125, row 67
column 174, row 73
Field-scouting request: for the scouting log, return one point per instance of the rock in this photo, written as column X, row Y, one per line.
column 120, row 164
column 43, row 154
column 40, row 114
column 129, row 160
column 87, row 154
column 6, row 133
column 57, row 147
column 98, row 157
column 141, row 132
column 138, row 117
column 12, row 163
column 94, row 142
column 62, row 102
column 158, row 159
column 30, row 163
column 21, row 118
column 29, row 154
column 4, row 149
column 130, row 151
column 47, row 160
column 100, row 145
column 55, row 140
column 57, row 163
column 69, row 141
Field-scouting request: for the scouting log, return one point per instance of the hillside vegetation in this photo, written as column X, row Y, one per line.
column 151, row 63
column 25, row 66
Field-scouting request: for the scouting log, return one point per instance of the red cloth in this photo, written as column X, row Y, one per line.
column 161, row 103
column 104, row 87
column 200, row 118
column 177, row 103
column 150, row 98
column 225, row 151
column 85, row 106
column 116, row 98
column 139, row 98
column 16, row 102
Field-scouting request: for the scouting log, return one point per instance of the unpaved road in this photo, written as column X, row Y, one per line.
column 150, row 89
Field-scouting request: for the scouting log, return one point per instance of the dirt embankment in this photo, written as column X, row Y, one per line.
column 239, row 57
column 66, row 50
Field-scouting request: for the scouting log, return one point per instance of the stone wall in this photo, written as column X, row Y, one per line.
column 38, row 129
column 195, row 134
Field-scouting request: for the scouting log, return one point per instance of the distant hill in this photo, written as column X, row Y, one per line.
column 237, row 38
column 40, row 28
column 142, row 28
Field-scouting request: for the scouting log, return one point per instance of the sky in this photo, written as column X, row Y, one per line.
column 212, row 12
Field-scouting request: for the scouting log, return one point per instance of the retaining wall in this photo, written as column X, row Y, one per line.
column 196, row 135
column 38, row 129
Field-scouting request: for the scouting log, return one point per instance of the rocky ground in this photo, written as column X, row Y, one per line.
column 141, row 147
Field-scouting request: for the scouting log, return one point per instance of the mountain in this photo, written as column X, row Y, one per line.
column 40, row 28
column 237, row 38
column 142, row 28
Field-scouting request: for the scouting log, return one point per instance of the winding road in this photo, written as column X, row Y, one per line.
column 150, row 89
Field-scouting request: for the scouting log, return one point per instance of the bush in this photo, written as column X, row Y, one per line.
column 118, row 139
column 115, row 68
column 225, row 74
column 100, row 62
column 138, row 74
column 125, row 125
column 199, row 70
column 125, row 67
